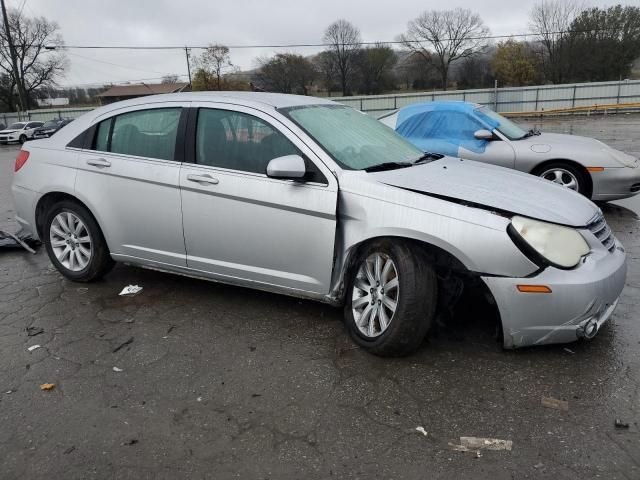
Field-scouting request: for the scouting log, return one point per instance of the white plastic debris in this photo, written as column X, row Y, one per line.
column 130, row 290
column 473, row 444
column 116, row 369
column 422, row 430
column 33, row 347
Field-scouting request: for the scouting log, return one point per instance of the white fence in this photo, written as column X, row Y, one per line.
column 510, row 99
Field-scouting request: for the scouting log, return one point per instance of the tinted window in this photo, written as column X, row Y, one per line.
column 147, row 133
column 238, row 141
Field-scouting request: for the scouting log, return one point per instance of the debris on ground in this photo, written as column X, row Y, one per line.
column 33, row 331
column 568, row 350
column 9, row 392
column 620, row 424
column 18, row 240
column 69, row 450
column 47, row 386
column 538, row 466
column 133, row 441
column 422, row 430
column 82, row 290
column 123, row 344
column 551, row 402
column 474, row 444
column 130, row 290
column 116, row 369
column 33, row 347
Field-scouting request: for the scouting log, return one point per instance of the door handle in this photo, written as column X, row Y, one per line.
column 208, row 179
column 99, row 162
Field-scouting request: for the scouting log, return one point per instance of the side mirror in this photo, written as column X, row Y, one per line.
column 483, row 134
column 289, row 167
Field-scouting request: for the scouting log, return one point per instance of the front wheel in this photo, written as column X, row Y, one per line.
column 391, row 298
column 74, row 242
column 22, row 139
column 567, row 175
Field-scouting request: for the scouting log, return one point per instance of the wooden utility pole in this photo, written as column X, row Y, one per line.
column 186, row 52
column 14, row 59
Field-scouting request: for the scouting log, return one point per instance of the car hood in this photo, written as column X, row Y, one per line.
column 493, row 187
column 8, row 131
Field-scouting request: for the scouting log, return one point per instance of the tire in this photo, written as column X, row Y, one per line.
column 76, row 264
column 566, row 174
column 22, row 139
column 415, row 299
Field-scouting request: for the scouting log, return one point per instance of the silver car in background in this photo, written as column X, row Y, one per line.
column 475, row 132
column 302, row 196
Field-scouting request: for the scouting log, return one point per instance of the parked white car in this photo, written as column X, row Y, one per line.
column 303, row 196
column 19, row 132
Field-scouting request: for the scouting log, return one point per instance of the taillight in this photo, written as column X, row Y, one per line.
column 21, row 159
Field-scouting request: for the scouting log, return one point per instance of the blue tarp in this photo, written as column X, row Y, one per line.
column 443, row 127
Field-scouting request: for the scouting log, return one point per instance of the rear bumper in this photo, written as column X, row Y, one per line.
column 615, row 183
column 24, row 201
column 581, row 299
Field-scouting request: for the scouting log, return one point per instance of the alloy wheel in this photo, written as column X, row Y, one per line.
column 562, row 177
column 375, row 295
column 70, row 241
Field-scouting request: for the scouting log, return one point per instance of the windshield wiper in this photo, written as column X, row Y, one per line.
column 427, row 157
column 531, row 133
column 387, row 166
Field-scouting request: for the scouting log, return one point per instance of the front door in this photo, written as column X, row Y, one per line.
column 240, row 224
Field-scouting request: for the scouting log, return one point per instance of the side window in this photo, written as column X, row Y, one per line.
column 101, row 141
column 146, row 133
column 238, row 141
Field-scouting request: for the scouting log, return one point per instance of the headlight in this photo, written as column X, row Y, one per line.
column 558, row 245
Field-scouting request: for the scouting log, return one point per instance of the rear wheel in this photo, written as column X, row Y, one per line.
column 75, row 243
column 567, row 175
column 391, row 298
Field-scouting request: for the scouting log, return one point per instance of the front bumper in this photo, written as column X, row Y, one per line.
column 9, row 138
column 615, row 183
column 581, row 299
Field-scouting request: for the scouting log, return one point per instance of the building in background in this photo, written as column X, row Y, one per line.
column 53, row 102
column 124, row 92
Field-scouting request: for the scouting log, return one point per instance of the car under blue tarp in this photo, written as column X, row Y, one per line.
column 444, row 126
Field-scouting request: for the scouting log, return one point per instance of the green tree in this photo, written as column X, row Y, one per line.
column 514, row 65
column 605, row 43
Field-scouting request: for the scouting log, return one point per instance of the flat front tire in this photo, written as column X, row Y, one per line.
column 74, row 242
column 391, row 298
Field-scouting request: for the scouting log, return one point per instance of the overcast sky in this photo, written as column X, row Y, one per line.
column 231, row 22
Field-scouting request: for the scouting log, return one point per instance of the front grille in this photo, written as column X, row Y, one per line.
column 602, row 232
column 635, row 188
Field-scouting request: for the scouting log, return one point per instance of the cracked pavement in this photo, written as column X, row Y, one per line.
column 225, row 382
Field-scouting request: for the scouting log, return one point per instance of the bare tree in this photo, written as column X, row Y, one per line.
column 551, row 21
column 38, row 62
column 172, row 78
column 214, row 62
column 344, row 40
column 375, row 65
column 451, row 34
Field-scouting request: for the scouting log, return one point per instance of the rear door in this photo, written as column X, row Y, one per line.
column 129, row 173
column 239, row 223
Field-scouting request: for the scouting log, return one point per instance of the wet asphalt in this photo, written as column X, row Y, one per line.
column 225, row 382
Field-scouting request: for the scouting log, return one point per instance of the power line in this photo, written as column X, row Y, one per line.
column 316, row 45
column 117, row 65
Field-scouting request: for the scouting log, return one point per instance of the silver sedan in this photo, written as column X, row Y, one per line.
column 305, row 197
column 475, row 132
